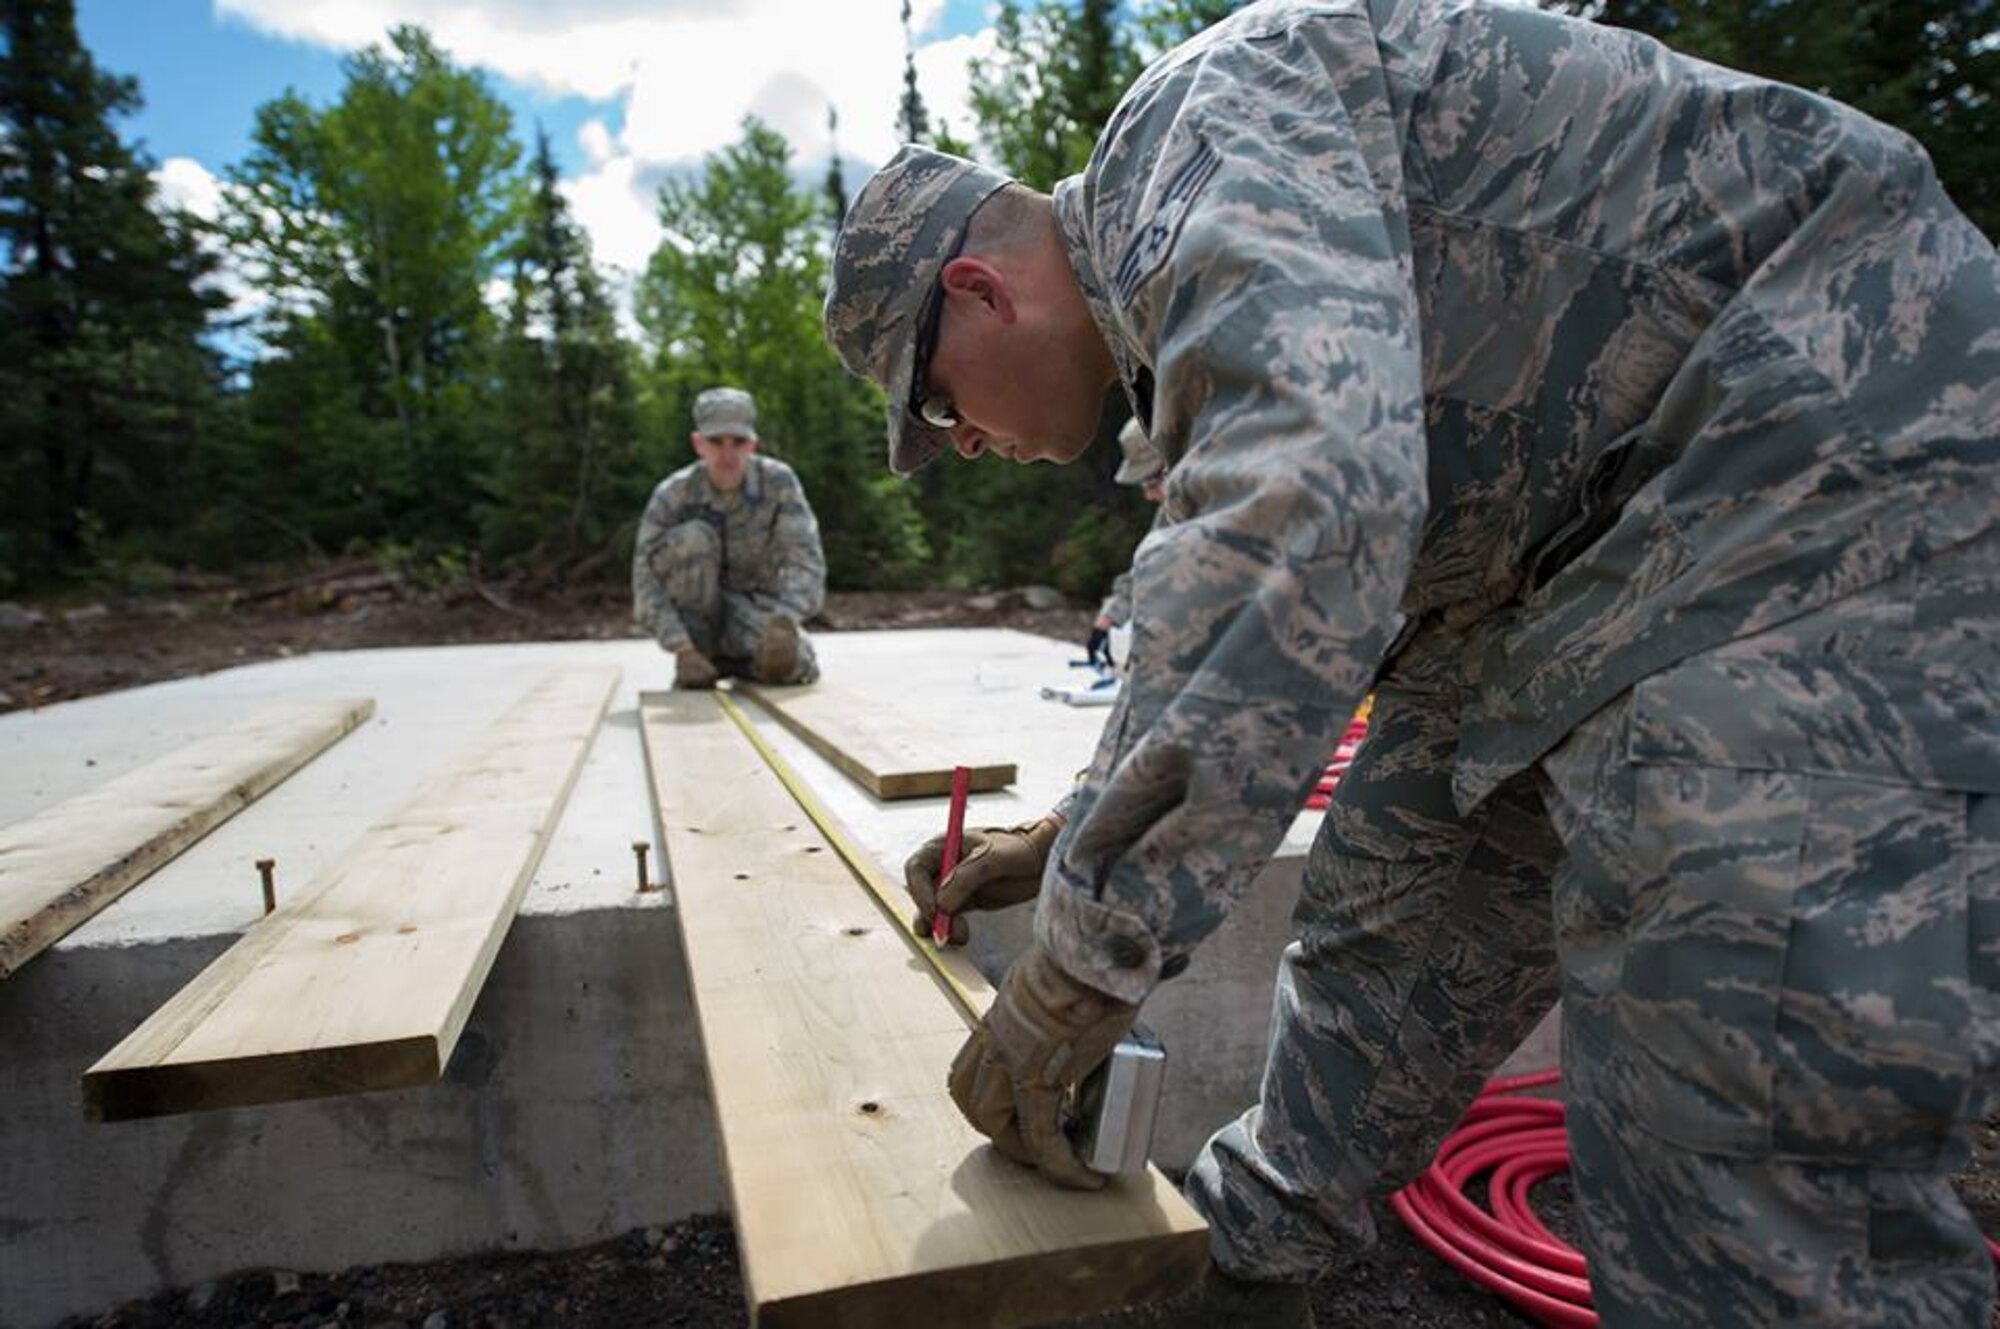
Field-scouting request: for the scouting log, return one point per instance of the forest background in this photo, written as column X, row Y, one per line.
column 439, row 378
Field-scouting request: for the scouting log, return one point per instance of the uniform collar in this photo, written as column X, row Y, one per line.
column 753, row 483
column 1133, row 374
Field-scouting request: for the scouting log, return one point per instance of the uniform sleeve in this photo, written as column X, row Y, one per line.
column 652, row 608
column 799, row 583
column 1266, row 283
column 1117, row 607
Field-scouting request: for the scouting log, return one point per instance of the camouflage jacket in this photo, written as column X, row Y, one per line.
column 769, row 537
column 1117, row 607
column 1456, row 308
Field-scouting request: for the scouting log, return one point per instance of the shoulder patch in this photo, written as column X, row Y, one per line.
column 1154, row 239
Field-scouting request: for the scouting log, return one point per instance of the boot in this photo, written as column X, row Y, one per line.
column 777, row 658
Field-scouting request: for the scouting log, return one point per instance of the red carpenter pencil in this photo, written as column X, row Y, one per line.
column 954, row 833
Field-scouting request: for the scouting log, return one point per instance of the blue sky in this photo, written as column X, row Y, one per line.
column 203, row 78
column 629, row 90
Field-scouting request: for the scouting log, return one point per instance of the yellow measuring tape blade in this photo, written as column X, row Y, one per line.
column 953, row 967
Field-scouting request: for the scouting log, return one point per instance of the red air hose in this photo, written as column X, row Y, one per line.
column 1508, row 1250
column 1343, row 756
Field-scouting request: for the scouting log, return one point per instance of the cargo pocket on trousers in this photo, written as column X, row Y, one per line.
column 1797, row 977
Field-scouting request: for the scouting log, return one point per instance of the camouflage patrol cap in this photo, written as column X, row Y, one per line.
column 725, row 411
column 907, row 220
column 1143, row 463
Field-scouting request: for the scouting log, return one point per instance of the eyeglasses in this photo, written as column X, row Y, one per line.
column 934, row 409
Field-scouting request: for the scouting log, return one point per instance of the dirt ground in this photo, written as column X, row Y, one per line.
column 685, row 1274
column 50, row 654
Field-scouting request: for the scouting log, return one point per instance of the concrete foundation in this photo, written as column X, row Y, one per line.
column 576, row 1106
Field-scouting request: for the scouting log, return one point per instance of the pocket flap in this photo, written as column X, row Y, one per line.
column 1901, row 722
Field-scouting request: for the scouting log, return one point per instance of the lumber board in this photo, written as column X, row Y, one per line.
column 365, row 979
column 861, row 1197
column 64, row 864
column 873, row 737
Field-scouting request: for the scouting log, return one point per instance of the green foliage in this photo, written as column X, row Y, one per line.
column 562, row 444
column 836, row 178
column 430, row 567
column 1097, row 547
column 105, row 384
column 1059, row 72
column 1169, row 23
column 377, row 224
column 441, row 377
column 1929, row 67
column 913, row 117
column 732, row 296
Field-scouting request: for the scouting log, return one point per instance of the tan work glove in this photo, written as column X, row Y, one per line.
column 1043, row 1034
column 692, row 669
column 997, row 866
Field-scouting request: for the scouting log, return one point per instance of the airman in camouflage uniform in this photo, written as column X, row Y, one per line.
column 1634, row 425
column 727, row 563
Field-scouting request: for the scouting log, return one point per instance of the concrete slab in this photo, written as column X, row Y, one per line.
column 576, row 1107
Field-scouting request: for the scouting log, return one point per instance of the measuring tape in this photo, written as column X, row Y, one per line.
column 953, row 967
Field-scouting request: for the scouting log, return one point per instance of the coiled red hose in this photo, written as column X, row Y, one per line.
column 1509, row 1250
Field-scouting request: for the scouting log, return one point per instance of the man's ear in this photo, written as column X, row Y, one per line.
column 694, row 441
column 969, row 277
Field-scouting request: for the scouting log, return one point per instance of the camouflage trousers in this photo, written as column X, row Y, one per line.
column 724, row 624
column 1765, row 883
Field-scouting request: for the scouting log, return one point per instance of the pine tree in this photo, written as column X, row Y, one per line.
column 564, row 434
column 105, row 384
column 913, row 118
column 836, row 179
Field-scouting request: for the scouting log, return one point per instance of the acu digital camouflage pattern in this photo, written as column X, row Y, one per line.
column 1623, row 383
column 712, row 568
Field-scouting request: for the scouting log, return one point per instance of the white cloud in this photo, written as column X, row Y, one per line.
column 617, row 211
column 689, row 69
column 686, row 72
column 184, row 183
column 595, row 139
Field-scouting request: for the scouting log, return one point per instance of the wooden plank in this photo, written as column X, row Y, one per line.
column 861, row 1197
column 365, row 979
column 879, row 744
column 65, row 863
column 958, row 976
